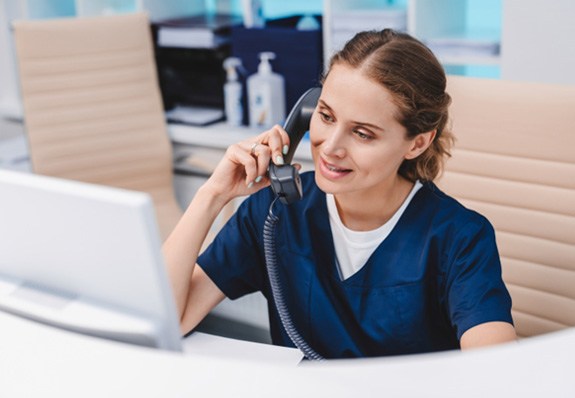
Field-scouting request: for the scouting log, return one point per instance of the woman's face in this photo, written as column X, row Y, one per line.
column 357, row 143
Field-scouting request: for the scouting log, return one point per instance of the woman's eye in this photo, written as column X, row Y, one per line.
column 325, row 117
column 362, row 135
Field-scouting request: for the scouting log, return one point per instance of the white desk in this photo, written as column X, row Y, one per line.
column 220, row 136
column 36, row 360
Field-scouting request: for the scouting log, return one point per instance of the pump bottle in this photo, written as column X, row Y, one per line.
column 233, row 92
column 266, row 94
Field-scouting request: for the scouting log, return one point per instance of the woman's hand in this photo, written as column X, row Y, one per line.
column 243, row 169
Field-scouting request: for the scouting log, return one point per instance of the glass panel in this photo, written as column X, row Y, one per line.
column 42, row 9
column 484, row 71
column 106, row 7
column 484, row 19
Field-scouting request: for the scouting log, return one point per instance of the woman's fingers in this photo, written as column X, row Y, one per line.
column 262, row 154
column 278, row 142
column 252, row 157
column 251, row 169
column 269, row 146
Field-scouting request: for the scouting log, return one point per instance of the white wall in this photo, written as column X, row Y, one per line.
column 538, row 41
column 10, row 105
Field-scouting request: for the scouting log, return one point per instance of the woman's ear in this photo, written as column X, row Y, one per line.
column 420, row 143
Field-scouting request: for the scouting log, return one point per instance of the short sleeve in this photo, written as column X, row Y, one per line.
column 476, row 292
column 234, row 260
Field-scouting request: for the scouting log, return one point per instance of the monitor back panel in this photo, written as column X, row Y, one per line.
column 90, row 242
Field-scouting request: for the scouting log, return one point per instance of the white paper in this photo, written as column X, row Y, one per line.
column 223, row 347
column 196, row 115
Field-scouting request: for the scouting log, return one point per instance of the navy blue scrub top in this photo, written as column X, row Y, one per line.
column 436, row 275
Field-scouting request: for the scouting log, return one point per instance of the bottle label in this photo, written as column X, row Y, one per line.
column 233, row 105
column 261, row 111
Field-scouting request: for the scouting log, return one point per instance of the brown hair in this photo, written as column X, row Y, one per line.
column 416, row 79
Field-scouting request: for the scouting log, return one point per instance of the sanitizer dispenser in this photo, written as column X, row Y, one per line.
column 233, row 92
column 266, row 94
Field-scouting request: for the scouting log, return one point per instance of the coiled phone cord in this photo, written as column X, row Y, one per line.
column 277, row 291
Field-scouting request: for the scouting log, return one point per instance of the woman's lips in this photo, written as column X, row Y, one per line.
column 331, row 171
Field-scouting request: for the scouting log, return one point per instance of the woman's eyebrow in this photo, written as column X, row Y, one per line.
column 323, row 104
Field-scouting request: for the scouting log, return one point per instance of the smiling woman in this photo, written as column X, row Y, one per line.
column 358, row 146
column 416, row 83
column 398, row 87
column 375, row 259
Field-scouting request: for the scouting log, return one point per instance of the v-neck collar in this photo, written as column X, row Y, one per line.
column 315, row 240
column 323, row 245
column 368, row 240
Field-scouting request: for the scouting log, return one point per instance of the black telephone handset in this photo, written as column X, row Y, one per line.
column 285, row 180
column 286, row 184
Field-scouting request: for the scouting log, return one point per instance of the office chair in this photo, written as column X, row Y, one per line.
column 514, row 162
column 92, row 105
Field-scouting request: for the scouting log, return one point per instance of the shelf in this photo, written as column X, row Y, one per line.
column 494, row 60
column 465, row 50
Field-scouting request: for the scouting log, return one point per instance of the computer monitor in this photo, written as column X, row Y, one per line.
column 85, row 258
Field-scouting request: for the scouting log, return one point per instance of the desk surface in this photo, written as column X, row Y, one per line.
column 37, row 360
column 220, row 136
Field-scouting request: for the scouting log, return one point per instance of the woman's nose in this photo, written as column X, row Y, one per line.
column 334, row 145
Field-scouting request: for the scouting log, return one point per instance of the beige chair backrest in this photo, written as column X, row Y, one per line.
column 92, row 105
column 514, row 162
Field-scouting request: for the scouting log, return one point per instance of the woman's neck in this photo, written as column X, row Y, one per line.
column 368, row 210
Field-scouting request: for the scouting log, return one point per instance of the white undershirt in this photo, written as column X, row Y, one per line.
column 353, row 248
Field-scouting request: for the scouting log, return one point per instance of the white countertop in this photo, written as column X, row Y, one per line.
column 212, row 139
column 220, row 136
column 37, row 360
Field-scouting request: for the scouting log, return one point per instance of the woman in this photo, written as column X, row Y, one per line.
column 375, row 259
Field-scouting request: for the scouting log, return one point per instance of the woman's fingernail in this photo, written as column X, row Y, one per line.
column 285, row 149
column 251, row 184
column 258, row 179
column 279, row 160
